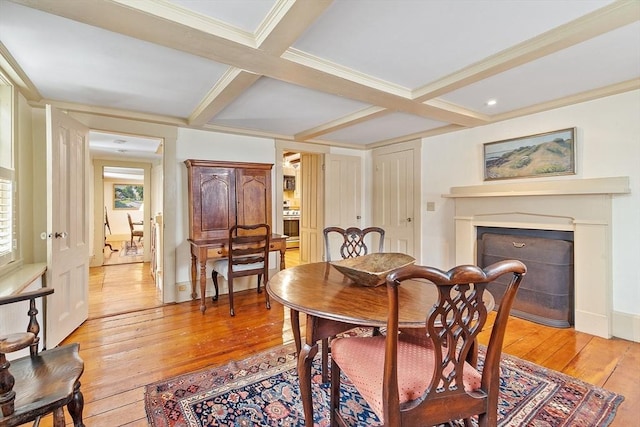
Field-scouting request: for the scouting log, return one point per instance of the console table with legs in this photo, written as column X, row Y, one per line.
column 204, row 250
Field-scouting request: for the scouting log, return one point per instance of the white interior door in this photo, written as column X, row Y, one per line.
column 343, row 195
column 343, row 191
column 311, row 208
column 393, row 197
column 67, row 225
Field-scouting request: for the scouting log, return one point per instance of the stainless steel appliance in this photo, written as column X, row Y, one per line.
column 291, row 219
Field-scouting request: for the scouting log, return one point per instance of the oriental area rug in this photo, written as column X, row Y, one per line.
column 263, row 391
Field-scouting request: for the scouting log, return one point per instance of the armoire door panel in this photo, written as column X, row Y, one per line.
column 217, row 208
column 253, row 189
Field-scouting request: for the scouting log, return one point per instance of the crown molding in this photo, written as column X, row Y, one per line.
column 18, row 77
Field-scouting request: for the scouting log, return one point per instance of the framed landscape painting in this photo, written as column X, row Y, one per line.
column 544, row 154
column 127, row 196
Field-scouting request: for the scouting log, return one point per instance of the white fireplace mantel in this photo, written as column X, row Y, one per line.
column 582, row 206
column 612, row 185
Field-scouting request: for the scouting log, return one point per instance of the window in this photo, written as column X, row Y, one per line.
column 8, row 226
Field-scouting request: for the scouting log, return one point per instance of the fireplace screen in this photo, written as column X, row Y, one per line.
column 546, row 293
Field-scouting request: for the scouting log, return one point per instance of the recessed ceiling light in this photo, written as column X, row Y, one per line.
column 119, row 141
column 491, row 102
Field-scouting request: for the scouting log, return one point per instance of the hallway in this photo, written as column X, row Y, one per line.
column 117, row 289
column 124, row 284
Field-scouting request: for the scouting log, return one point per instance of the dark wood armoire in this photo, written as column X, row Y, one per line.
column 222, row 194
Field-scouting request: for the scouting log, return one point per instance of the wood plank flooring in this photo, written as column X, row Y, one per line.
column 147, row 343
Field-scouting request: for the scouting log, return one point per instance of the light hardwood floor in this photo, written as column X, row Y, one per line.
column 148, row 343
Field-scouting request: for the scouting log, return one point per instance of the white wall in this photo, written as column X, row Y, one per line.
column 608, row 144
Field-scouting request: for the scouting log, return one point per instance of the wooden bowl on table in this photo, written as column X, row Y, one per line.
column 372, row 269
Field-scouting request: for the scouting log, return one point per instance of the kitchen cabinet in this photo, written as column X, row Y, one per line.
column 296, row 190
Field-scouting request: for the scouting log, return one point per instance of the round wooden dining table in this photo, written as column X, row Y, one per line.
column 333, row 303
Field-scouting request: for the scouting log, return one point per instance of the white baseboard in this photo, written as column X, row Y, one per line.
column 592, row 323
column 626, row 326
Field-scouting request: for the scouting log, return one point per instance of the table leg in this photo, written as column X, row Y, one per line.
column 295, row 328
column 203, row 285
column 305, row 359
column 282, row 251
column 194, row 273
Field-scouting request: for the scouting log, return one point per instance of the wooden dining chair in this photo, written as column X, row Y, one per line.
column 426, row 378
column 134, row 233
column 42, row 382
column 352, row 243
column 248, row 255
column 107, row 227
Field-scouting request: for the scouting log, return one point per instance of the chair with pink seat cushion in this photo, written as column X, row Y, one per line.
column 430, row 378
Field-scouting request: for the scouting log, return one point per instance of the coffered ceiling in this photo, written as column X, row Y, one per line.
column 359, row 73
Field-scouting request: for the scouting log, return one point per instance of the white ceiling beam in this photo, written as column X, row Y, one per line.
column 608, row 18
column 341, row 123
column 231, row 85
column 149, row 21
column 418, row 135
column 284, row 24
column 614, row 89
column 111, row 112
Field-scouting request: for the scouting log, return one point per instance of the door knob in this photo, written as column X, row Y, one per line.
column 60, row 235
column 408, row 219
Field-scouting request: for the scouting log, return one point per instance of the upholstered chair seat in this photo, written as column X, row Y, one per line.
column 362, row 361
column 427, row 376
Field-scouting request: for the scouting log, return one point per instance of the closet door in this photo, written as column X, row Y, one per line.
column 253, row 192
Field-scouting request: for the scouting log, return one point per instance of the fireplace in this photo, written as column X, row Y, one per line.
column 582, row 207
column 546, row 294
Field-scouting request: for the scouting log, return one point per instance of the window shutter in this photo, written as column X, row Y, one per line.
column 7, row 225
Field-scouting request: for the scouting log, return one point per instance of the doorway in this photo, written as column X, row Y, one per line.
column 307, row 195
column 123, row 215
column 127, row 183
column 291, row 191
